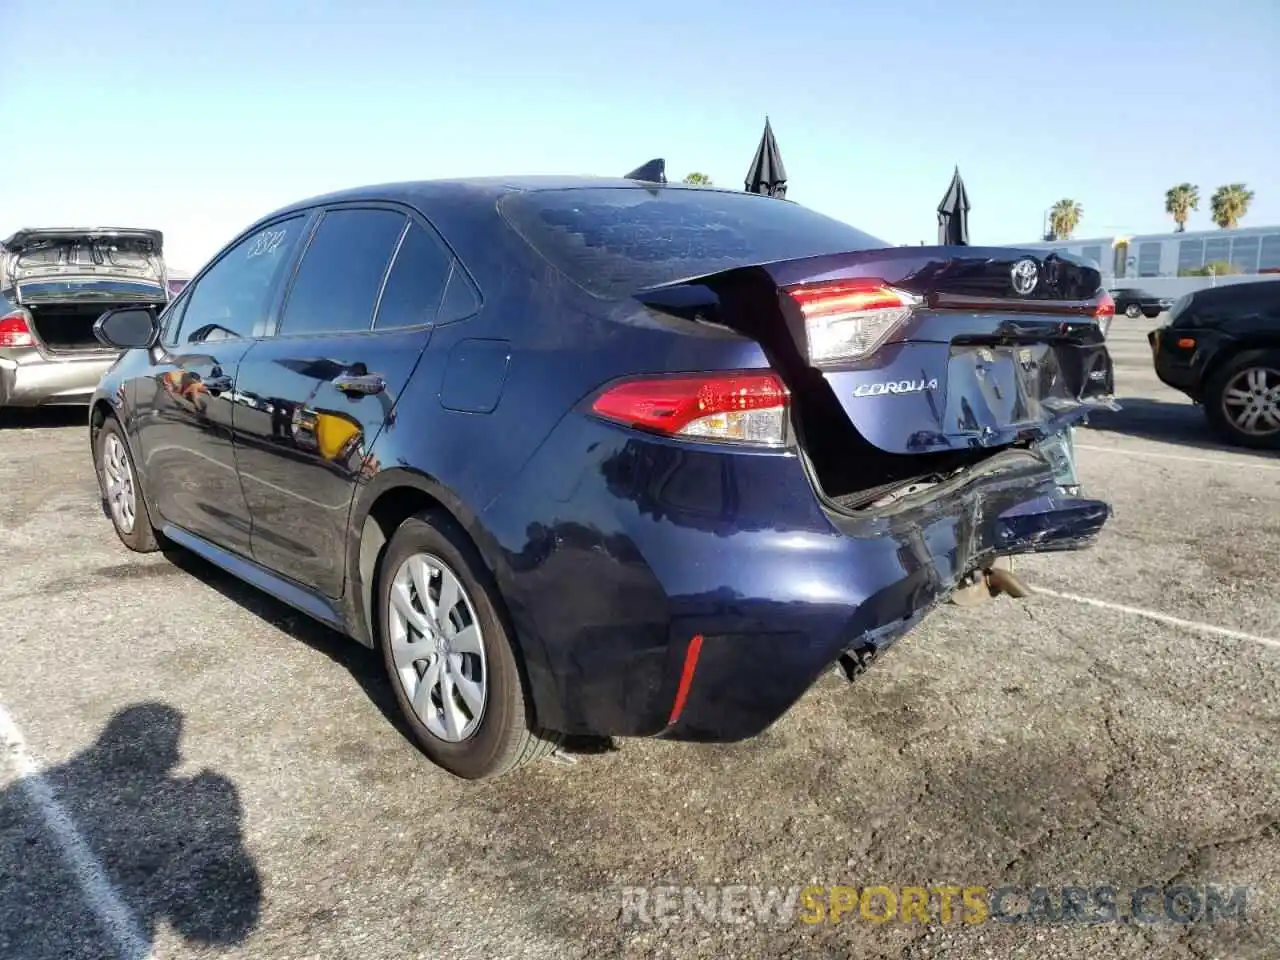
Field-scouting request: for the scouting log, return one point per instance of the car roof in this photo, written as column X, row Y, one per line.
column 480, row 190
column 465, row 210
column 1245, row 290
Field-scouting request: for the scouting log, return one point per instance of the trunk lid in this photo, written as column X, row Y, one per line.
column 962, row 359
column 60, row 263
column 910, row 363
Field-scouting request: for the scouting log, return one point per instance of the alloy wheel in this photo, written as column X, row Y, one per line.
column 117, row 477
column 437, row 647
column 1251, row 401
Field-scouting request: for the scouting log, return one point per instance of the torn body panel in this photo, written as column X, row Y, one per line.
column 941, row 385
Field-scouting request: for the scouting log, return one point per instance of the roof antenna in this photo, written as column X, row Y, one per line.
column 655, row 171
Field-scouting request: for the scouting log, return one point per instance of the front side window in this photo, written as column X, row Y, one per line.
column 342, row 272
column 233, row 297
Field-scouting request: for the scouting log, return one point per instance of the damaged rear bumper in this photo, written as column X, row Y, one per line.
column 28, row 379
column 888, row 573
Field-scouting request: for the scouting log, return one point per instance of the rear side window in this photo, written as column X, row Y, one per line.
column 613, row 241
column 416, row 283
column 341, row 272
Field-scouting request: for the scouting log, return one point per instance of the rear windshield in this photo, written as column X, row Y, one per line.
column 613, row 241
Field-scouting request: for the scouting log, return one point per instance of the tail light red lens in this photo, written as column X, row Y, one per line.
column 1105, row 311
column 739, row 408
column 15, row 330
column 850, row 319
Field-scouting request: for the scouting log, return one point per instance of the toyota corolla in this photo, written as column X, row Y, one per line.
column 605, row 457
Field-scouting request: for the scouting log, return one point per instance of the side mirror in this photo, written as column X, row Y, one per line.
column 127, row 328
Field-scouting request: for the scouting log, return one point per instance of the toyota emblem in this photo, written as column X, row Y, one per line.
column 1024, row 275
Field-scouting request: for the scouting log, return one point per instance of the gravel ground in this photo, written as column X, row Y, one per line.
column 241, row 791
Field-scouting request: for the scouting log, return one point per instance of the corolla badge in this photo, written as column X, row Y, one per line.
column 1024, row 276
column 894, row 387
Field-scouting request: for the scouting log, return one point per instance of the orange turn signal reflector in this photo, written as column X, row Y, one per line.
column 1186, row 343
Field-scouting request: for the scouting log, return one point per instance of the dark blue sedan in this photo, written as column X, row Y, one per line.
column 602, row 457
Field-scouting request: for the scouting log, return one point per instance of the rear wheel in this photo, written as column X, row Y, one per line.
column 122, row 499
column 1242, row 399
column 449, row 653
column 1133, row 311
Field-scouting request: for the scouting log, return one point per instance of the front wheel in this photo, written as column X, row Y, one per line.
column 449, row 653
column 122, row 499
column 1242, row 400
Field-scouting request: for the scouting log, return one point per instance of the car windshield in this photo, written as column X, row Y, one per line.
column 90, row 289
column 614, row 241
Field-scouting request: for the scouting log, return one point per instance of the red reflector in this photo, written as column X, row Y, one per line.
column 686, row 678
column 1106, row 306
column 845, row 296
column 669, row 404
column 15, row 331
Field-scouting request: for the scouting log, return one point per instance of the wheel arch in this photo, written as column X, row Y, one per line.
column 1260, row 340
column 381, row 506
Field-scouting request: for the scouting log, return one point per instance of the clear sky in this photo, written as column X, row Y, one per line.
column 196, row 117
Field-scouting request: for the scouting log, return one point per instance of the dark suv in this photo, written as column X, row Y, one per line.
column 1221, row 347
column 601, row 456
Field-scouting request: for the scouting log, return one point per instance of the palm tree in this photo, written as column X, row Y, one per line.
column 1230, row 204
column 1064, row 218
column 1179, row 201
column 698, row 179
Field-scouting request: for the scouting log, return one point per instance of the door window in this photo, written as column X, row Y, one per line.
column 416, row 283
column 341, row 272
column 233, row 298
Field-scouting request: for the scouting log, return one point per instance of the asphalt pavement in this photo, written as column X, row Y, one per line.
column 189, row 769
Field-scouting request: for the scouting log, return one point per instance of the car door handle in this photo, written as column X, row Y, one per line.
column 361, row 386
column 217, row 384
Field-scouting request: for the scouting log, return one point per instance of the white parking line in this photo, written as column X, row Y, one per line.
column 1243, row 461
column 101, row 896
column 1160, row 617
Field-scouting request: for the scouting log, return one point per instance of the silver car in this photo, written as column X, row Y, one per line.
column 54, row 284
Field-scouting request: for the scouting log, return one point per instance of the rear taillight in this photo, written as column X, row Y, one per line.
column 739, row 407
column 849, row 319
column 1105, row 311
column 15, row 330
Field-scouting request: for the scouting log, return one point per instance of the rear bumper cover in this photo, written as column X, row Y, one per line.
column 743, row 682
column 28, row 379
column 646, row 544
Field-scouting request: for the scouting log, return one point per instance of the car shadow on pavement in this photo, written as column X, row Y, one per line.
column 24, row 418
column 1163, row 421
column 171, row 847
column 364, row 665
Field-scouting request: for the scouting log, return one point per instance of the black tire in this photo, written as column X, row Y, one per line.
column 141, row 536
column 506, row 736
column 1133, row 311
column 1216, row 387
